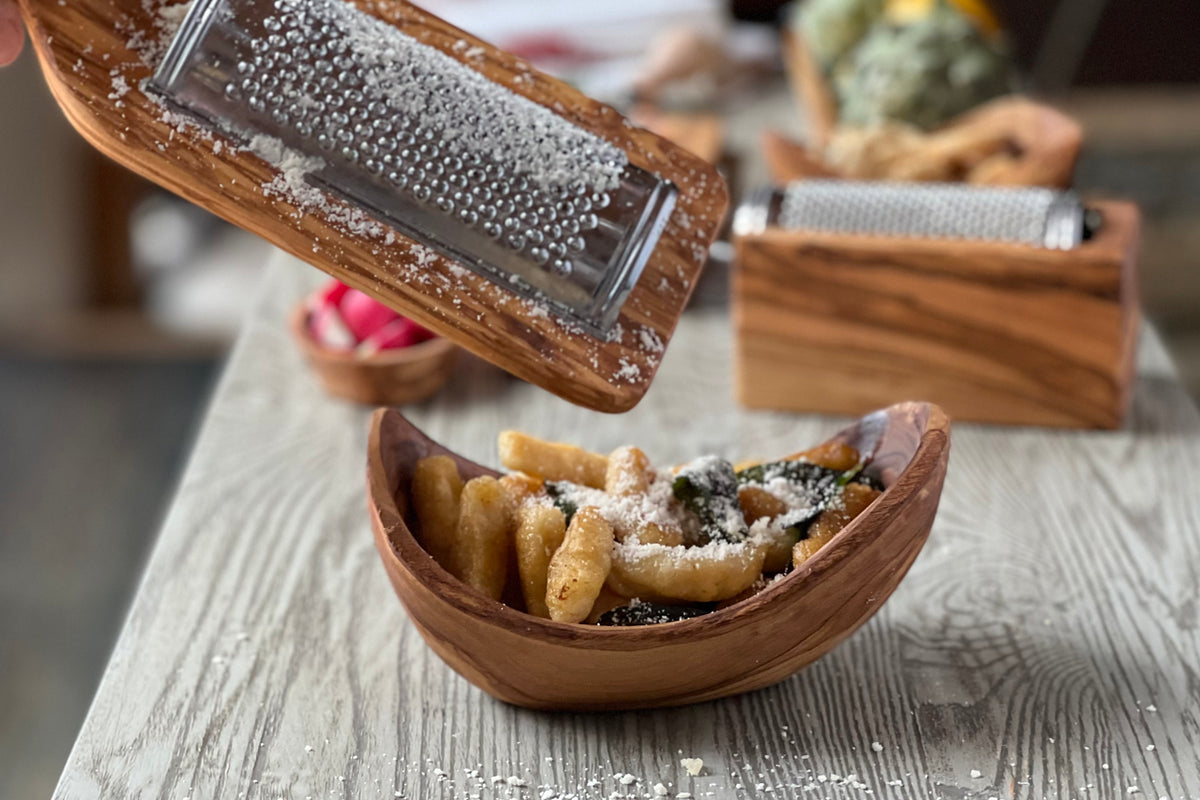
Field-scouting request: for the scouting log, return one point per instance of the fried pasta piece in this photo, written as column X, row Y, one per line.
column 780, row 544
column 436, row 490
column 629, row 472
column 855, row 499
column 757, row 503
column 483, row 537
column 653, row 533
column 715, row 571
column 540, row 532
column 805, row 549
column 519, row 487
column 552, row 461
column 580, row 567
column 831, row 455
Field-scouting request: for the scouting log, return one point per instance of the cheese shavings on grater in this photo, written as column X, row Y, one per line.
column 427, row 145
column 1028, row 216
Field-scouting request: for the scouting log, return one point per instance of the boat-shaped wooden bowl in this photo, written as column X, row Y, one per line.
column 537, row 663
column 388, row 378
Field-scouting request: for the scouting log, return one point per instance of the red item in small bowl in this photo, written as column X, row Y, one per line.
column 342, row 318
column 364, row 315
column 330, row 294
column 402, row 332
column 327, row 327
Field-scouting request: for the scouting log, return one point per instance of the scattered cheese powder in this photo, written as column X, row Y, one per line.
column 634, row 512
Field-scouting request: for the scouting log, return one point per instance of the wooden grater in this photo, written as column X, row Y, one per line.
column 1000, row 305
column 197, row 100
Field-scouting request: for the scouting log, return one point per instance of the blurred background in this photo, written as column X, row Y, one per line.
column 118, row 301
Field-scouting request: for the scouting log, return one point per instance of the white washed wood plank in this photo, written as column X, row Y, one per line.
column 1055, row 602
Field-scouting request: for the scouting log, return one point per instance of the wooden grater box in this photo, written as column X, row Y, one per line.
column 992, row 332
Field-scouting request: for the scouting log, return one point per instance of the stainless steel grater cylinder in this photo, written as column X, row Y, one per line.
column 1029, row 216
column 425, row 144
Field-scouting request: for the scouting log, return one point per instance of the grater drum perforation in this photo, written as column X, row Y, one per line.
column 423, row 143
column 1018, row 215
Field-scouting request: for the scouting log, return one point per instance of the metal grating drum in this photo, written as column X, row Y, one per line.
column 424, row 143
column 1029, row 216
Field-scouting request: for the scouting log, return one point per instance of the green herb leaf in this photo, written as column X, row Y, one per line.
column 708, row 488
column 557, row 492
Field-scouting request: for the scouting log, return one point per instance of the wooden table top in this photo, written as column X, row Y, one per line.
column 1046, row 643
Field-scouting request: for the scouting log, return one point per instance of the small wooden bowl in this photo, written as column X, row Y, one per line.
column 541, row 664
column 388, row 378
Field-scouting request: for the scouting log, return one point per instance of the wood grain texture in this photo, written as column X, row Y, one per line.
column 388, row 378
column 788, row 161
column 538, row 663
column 1055, row 602
column 991, row 332
column 700, row 133
column 84, row 46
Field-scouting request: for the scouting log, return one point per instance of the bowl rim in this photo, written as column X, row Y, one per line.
column 410, row 557
column 429, row 349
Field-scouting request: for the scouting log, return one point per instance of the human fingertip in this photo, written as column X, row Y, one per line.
column 12, row 34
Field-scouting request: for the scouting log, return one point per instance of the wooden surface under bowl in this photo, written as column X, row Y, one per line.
column 537, row 663
column 388, row 378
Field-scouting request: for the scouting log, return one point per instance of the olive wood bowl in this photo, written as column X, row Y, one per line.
column 537, row 663
column 387, row 378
